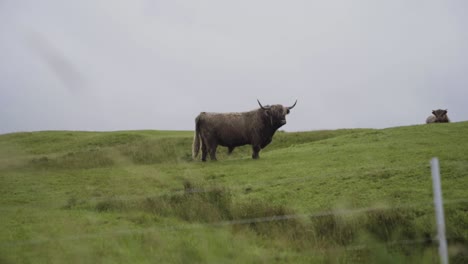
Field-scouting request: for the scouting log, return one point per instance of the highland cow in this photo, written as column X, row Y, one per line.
column 438, row 116
column 231, row 130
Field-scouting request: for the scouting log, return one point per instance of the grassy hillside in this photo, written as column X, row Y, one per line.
column 358, row 195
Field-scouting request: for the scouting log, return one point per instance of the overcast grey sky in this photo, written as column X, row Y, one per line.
column 124, row 65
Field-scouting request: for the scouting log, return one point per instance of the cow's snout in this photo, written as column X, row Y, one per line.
column 283, row 122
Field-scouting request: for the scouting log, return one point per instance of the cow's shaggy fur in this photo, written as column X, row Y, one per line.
column 438, row 116
column 231, row 130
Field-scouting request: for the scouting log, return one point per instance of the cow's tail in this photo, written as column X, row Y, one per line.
column 196, row 139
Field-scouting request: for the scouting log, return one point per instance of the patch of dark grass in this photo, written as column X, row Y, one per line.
column 158, row 151
column 111, row 139
column 330, row 230
column 274, row 222
column 41, row 162
column 460, row 254
column 73, row 203
column 193, row 205
column 111, row 205
column 94, row 158
column 378, row 175
column 385, row 224
column 456, row 216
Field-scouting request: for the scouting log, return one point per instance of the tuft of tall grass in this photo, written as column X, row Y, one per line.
column 215, row 205
column 329, row 230
column 385, row 224
column 207, row 206
column 292, row 230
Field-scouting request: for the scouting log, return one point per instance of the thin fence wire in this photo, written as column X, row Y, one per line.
column 122, row 232
column 127, row 232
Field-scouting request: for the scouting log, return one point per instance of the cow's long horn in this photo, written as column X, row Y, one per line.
column 261, row 106
column 291, row 107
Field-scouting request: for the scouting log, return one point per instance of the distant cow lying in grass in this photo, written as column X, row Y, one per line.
column 438, row 116
column 231, row 130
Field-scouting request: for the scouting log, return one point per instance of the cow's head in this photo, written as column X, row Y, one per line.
column 440, row 114
column 276, row 113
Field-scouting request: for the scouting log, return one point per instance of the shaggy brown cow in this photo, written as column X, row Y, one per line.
column 438, row 116
column 231, row 130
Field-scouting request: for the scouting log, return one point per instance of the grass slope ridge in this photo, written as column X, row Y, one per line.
column 136, row 196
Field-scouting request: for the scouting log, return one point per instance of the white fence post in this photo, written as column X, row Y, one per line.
column 439, row 210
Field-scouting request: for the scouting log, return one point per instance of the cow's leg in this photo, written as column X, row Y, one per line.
column 256, row 150
column 204, row 151
column 212, row 149
column 230, row 149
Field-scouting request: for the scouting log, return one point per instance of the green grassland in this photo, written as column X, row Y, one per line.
column 336, row 196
